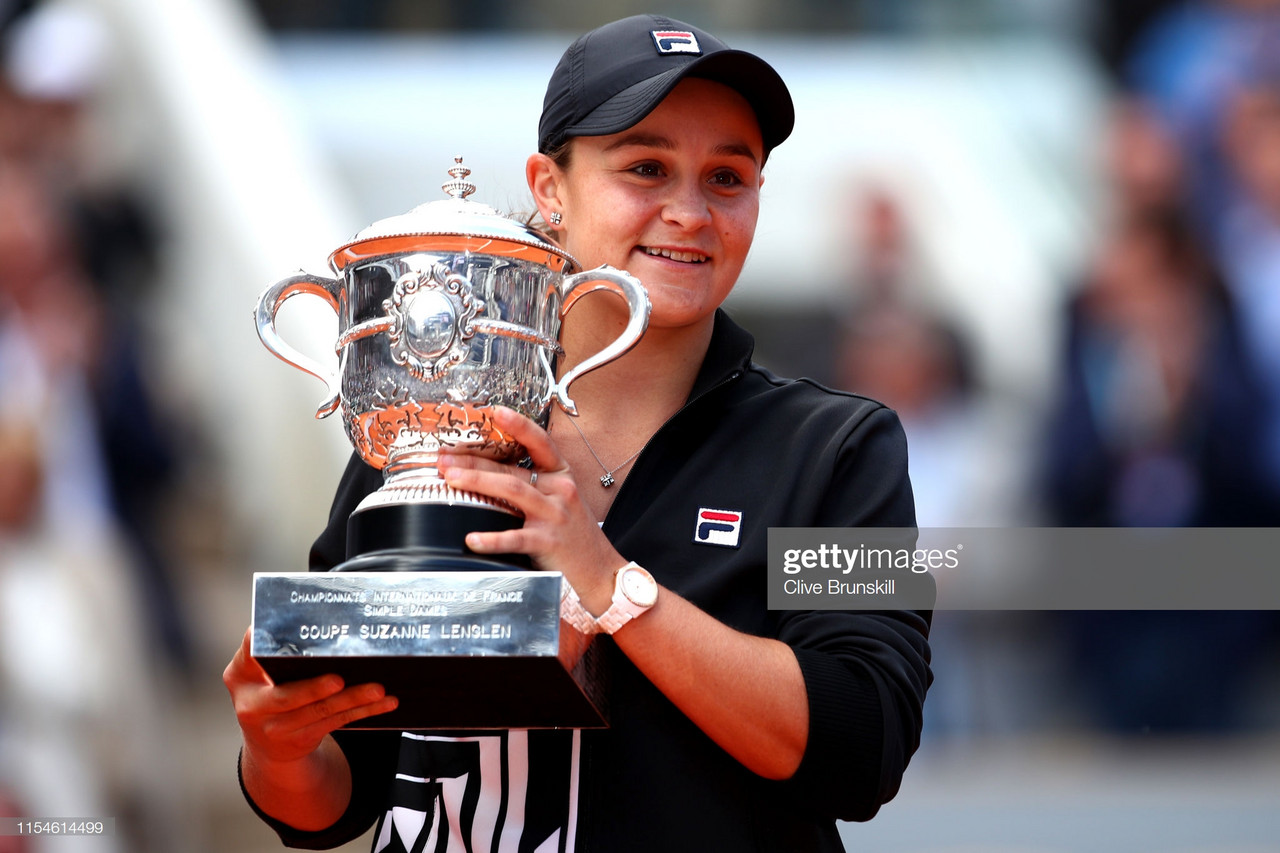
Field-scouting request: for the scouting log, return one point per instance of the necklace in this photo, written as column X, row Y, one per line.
column 607, row 480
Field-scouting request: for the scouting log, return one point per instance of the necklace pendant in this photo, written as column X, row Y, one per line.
column 607, row 480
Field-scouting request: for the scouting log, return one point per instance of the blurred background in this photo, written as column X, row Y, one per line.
column 1047, row 232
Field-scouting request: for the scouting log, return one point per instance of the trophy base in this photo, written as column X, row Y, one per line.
column 459, row 649
column 463, row 640
column 462, row 694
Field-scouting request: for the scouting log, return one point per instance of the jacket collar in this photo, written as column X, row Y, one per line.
column 728, row 355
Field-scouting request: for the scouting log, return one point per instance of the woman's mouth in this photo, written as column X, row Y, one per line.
column 675, row 255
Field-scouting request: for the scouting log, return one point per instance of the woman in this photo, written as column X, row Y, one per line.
column 732, row 727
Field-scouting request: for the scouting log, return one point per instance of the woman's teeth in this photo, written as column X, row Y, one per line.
column 686, row 257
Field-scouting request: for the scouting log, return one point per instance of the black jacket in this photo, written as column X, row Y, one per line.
column 782, row 453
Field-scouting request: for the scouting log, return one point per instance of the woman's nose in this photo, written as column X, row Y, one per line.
column 687, row 206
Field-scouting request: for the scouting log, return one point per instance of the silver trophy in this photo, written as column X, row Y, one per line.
column 443, row 313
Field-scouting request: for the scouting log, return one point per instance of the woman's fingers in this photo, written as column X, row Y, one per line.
column 253, row 691
column 304, row 726
column 284, row 722
column 286, row 735
column 510, row 483
column 243, row 668
column 541, row 491
column 536, row 441
column 559, row 532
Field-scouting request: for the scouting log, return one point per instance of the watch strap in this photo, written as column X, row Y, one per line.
column 613, row 619
column 572, row 611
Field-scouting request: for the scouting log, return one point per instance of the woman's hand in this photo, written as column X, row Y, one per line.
column 560, row 533
column 287, row 722
column 290, row 766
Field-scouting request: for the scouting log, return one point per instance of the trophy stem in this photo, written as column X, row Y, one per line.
column 424, row 537
column 411, row 477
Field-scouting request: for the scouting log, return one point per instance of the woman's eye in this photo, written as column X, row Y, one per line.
column 648, row 170
column 726, row 179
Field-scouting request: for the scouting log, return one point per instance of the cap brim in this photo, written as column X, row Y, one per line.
column 743, row 72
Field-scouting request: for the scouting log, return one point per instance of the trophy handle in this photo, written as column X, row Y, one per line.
column 578, row 285
column 269, row 303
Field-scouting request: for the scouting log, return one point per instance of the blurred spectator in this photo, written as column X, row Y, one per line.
column 917, row 364
column 897, row 347
column 71, row 667
column 1188, row 63
column 888, row 265
column 55, row 60
column 894, row 349
column 965, row 451
column 1250, row 238
column 1142, row 160
column 1158, row 425
column 1212, row 69
column 79, row 666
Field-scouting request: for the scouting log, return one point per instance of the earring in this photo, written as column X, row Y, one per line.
column 556, row 218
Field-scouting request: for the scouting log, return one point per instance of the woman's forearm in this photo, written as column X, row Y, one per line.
column 309, row 793
column 745, row 692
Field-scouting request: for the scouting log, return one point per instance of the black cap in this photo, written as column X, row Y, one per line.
column 612, row 77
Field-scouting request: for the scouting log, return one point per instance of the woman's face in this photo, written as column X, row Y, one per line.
column 672, row 200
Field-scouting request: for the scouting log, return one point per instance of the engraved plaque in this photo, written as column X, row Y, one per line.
column 459, row 649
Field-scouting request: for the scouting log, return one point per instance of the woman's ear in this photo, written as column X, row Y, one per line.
column 544, row 178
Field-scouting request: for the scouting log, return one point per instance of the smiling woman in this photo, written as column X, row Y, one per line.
column 672, row 201
column 732, row 727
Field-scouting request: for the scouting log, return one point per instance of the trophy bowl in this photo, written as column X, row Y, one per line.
column 443, row 313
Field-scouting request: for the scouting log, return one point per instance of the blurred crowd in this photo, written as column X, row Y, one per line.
column 1165, row 412
column 1169, row 407
column 91, row 632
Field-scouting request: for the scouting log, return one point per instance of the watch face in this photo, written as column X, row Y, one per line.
column 639, row 587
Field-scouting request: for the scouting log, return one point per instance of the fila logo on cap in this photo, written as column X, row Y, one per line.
column 675, row 41
column 718, row 527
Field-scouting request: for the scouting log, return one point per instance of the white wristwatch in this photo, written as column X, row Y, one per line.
column 634, row 592
column 572, row 611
